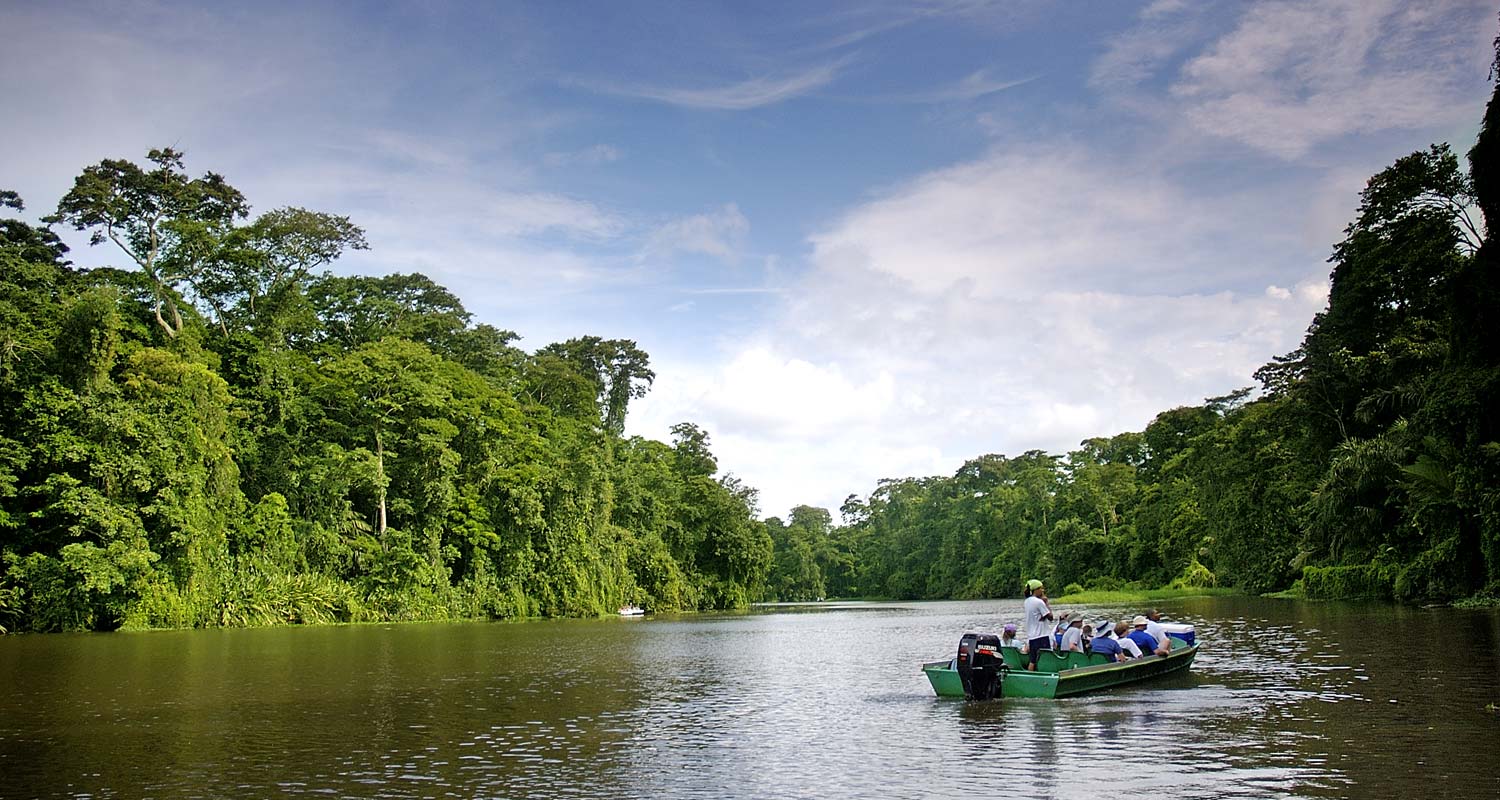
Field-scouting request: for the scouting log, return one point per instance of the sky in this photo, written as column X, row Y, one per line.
column 859, row 241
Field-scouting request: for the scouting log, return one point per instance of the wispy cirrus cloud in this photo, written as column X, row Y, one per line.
column 973, row 86
column 588, row 156
column 755, row 92
column 720, row 234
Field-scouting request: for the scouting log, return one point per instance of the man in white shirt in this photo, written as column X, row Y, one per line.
column 1038, row 620
column 1153, row 627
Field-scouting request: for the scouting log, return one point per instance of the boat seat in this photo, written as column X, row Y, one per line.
column 1052, row 660
column 1055, row 661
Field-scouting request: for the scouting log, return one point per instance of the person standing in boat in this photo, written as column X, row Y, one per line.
column 1038, row 621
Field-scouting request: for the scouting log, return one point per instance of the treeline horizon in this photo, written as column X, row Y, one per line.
column 229, row 434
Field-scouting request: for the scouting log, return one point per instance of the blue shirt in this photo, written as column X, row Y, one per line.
column 1146, row 642
column 1109, row 648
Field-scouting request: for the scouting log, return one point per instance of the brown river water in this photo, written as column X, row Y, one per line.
column 1285, row 699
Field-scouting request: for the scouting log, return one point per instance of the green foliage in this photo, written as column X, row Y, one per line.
column 222, row 437
column 170, row 225
column 1138, row 597
column 1355, row 581
column 1196, row 576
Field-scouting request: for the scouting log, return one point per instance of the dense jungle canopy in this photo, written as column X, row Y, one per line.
column 225, row 433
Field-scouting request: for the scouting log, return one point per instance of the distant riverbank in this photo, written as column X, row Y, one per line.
column 1127, row 597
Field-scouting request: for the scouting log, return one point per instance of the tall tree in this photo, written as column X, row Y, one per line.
column 170, row 225
column 619, row 370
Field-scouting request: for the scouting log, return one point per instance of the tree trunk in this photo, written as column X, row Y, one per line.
column 162, row 322
column 380, row 487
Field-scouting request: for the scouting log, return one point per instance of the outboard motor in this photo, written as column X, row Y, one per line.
column 979, row 665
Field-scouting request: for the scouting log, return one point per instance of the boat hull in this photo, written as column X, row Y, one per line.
column 1064, row 675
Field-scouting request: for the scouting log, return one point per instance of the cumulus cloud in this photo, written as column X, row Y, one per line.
column 1028, row 218
column 800, row 432
column 1291, row 76
column 1028, row 299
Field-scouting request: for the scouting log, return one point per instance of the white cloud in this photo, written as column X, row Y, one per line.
column 1138, row 54
column 588, row 156
column 761, row 90
column 800, row 432
column 1022, row 220
column 1029, row 299
column 719, row 233
column 973, row 86
column 1291, row 76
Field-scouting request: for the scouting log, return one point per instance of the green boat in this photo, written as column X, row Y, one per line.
column 1065, row 674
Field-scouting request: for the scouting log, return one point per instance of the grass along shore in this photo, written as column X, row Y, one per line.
column 1139, row 596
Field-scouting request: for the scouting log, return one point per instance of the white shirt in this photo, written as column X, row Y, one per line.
column 1158, row 633
column 1072, row 639
column 1014, row 641
column 1128, row 645
column 1036, row 626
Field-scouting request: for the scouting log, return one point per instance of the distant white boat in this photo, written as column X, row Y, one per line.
column 632, row 611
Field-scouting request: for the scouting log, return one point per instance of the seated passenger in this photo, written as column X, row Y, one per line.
column 1008, row 637
column 1153, row 627
column 1146, row 641
column 1105, row 645
column 1072, row 638
column 1127, row 644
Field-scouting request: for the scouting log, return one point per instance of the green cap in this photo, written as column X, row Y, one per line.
column 1033, row 584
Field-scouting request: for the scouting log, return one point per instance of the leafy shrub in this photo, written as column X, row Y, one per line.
column 1436, row 574
column 1104, row 583
column 1195, row 576
column 1361, row 581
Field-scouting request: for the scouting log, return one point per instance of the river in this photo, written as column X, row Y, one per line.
column 1285, row 699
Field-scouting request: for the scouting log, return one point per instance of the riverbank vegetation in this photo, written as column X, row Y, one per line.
column 1142, row 597
column 226, row 434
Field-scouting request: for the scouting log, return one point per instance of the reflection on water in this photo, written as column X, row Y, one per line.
column 1285, row 699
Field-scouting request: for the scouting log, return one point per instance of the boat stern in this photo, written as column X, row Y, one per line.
column 943, row 675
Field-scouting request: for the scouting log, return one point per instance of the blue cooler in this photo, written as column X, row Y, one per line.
column 1178, row 630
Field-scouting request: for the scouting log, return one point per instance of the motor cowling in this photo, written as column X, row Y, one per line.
column 980, row 666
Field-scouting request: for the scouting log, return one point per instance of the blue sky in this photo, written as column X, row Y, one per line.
column 858, row 240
